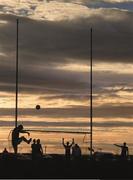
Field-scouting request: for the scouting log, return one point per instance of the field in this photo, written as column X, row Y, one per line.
column 56, row 166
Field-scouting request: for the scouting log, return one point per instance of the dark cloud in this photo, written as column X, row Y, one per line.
column 46, row 80
column 61, row 42
column 114, row 111
column 43, row 45
column 127, row 5
column 75, row 97
column 103, row 111
column 44, row 42
column 70, row 124
column 48, row 112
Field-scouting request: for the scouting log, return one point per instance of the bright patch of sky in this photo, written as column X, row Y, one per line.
column 42, row 10
column 58, row 9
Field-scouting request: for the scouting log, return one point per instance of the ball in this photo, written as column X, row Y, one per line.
column 38, row 107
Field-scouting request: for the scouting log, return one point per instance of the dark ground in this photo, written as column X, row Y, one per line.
column 56, row 167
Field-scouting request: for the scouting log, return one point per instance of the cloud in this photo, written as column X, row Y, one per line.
column 71, row 124
column 70, row 97
column 75, row 111
column 46, row 45
column 48, row 112
column 41, row 10
column 64, row 41
column 120, row 4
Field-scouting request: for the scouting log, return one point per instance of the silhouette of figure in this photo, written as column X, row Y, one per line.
column 5, row 151
column 67, row 147
column 5, row 154
column 33, row 147
column 124, row 150
column 39, row 149
column 16, row 140
column 76, row 151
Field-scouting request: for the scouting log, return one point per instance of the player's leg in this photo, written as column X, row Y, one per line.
column 25, row 140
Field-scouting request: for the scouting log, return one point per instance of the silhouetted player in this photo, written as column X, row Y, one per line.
column 124, row 150
column 16, row 140
column 33, row 147
column 67, row 147
column 76, row 151
column 39, row 149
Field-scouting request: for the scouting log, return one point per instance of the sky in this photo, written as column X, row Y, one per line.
column 54, row 58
